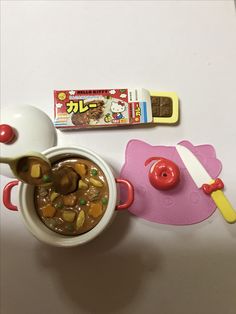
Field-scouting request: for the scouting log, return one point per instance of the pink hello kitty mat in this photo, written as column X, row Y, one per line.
column 184, row 204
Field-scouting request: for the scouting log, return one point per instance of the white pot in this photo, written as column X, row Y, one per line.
column 31, row 218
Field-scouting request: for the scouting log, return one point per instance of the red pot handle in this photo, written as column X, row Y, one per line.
column 130, row 198
column 7, row 195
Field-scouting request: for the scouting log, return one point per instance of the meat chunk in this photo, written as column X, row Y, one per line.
column 65, row 180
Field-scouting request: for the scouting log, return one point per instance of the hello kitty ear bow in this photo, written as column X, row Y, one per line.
column 121, row 103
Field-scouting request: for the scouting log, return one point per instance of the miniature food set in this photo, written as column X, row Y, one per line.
column 166, row 191
column 72, row 195
column 76, row 109
column 82, row 208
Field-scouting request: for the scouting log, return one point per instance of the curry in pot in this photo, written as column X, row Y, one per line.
column 77, row 198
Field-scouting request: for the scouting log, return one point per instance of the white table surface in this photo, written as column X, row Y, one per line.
column 135, row 266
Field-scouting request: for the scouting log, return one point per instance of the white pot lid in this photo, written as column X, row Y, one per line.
column 33, row 129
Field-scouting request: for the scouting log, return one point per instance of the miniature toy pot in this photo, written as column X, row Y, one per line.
column 38, row 228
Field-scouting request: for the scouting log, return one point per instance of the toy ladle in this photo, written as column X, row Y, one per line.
column 32, row 168
column 35, row 169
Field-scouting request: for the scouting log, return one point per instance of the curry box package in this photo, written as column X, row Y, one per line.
column 79, row 109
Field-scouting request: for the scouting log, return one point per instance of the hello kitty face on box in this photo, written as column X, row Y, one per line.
column 117, row 106
column 184, row 203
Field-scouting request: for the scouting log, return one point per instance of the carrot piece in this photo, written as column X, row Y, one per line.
column 95, row 210
column 48, row 211
column 81, row 169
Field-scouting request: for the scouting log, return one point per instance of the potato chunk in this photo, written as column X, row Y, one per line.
column 53, row 196
column 68, row 215
column 96, row 183
column 82, row 185
column 35, row 171
column 80, row 220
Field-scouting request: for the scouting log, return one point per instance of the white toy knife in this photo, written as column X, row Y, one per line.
column 204, row 181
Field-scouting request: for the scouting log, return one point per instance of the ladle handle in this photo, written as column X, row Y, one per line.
column 6, row 160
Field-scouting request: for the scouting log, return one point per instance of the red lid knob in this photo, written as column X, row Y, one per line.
column 6, row 133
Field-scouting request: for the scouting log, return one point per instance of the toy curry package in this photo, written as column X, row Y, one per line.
column 77, row 109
